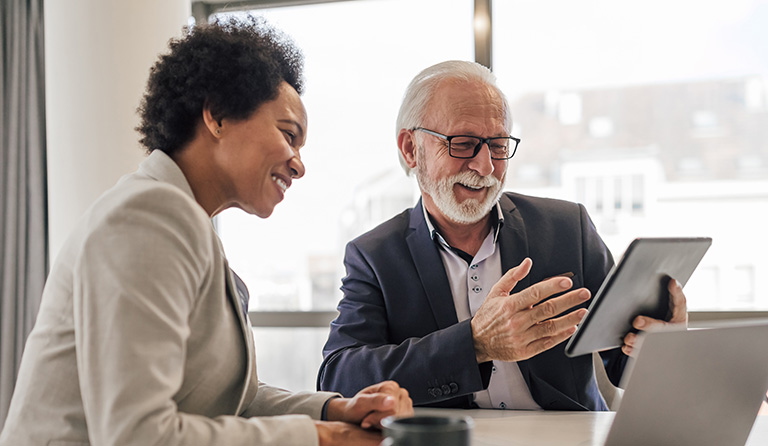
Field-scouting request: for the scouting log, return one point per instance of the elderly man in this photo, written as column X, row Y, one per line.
column 466, row 299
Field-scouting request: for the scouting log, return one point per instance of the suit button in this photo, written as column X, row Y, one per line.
column 446, row 390
column 454, row 387
column 438, row 392
column 477, row 289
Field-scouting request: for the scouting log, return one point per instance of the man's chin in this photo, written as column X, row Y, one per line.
column 466, row 212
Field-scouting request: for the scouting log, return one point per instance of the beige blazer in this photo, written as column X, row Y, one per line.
column 138, row 342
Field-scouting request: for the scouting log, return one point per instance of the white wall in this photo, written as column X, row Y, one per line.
column 97, row 59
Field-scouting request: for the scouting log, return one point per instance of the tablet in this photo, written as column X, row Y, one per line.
column 637, row 285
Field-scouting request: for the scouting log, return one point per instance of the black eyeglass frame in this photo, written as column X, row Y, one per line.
column 478, row 147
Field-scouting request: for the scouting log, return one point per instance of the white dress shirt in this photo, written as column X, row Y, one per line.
column 470, row 283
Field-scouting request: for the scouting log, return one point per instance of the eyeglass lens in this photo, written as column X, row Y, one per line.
column 468, row 146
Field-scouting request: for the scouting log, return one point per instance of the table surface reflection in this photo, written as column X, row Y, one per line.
column 553, row 428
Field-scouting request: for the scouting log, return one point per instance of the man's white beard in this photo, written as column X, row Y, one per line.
column 468, row 211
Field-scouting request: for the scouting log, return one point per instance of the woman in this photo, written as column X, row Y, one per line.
column 142, row 338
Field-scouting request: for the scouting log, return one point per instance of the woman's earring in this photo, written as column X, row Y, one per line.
column 218, row 130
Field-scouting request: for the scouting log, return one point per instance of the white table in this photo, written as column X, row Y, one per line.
column 553, row 428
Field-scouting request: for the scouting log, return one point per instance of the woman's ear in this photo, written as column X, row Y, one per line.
column 406, row 142
column 213, row 126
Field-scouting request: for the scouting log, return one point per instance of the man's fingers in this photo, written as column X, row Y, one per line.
column 553, row 307
column 630, row 339
column 546, row 343
column 508, row 281
column 678, row 302
column 554, row 331
column 557, row 327
column 540, row 291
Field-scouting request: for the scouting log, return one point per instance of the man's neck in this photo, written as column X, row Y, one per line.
column 467, row 237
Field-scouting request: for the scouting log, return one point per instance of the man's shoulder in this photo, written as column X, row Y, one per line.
column 390, row 232
column 529, row 203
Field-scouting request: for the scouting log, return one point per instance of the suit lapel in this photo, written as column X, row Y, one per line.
column 249, row 389
column 513, row 243
column 513, row 240
column 430, row 267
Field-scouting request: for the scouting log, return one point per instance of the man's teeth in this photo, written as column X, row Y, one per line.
column 472, row 187
column 280, row 183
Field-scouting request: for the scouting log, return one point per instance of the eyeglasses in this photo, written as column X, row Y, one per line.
column 466, row 147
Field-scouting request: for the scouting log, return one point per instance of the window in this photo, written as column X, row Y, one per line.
column 359, row 58
column 655, row 130
column 658, row 132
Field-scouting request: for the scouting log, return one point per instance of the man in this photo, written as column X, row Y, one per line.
column 466, row 299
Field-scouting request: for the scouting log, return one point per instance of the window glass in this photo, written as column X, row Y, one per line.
column 653, row 114
column 360, row 56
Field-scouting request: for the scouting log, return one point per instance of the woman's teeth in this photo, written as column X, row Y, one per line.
column 280, row 183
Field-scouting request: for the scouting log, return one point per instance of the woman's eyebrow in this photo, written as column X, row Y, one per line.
column 299, row 127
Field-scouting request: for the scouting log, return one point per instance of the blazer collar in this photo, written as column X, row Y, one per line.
column 161, row 167
column 430, row 268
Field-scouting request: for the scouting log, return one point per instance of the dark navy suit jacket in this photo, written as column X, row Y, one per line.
column 397, row 318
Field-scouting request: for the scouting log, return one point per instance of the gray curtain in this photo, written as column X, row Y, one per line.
column 23, row 202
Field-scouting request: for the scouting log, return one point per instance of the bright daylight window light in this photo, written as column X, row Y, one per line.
column 667, row 97
column 356, row 74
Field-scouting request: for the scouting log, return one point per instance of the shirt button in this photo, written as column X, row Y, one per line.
column 474, row 277
column 474, row 266
column 493, row 369
column 477, row 289
column 503, row 405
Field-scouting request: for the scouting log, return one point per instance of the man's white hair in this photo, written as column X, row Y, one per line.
column 417, row 96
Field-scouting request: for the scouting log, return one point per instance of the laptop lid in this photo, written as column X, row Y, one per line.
column 694, row 388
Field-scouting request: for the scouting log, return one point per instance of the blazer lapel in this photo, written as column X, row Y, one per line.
column 250, row 387
column 513, row 243
column 513, row 240
column 429, row 265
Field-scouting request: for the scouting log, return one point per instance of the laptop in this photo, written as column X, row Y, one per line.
column 693, row 388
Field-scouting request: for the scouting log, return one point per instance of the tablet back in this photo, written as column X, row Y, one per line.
column 637, row 285
column 694, row 388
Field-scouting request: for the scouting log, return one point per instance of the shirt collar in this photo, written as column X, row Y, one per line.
column 497, row 221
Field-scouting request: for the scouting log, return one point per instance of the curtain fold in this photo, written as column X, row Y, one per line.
column 23, row 188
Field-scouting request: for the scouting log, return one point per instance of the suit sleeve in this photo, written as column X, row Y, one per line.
column 438, row 365
column 136, row 283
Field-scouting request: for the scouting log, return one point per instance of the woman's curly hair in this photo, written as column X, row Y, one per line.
column 231, row 66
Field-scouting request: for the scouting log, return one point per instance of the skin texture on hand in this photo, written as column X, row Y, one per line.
column 513, row 327
column 348, row 418
column 678, row 315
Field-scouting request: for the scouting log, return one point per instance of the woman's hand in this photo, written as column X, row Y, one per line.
column 371, row 405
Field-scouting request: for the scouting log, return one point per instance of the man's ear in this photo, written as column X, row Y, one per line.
column 213, row 126
column 406, row 142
